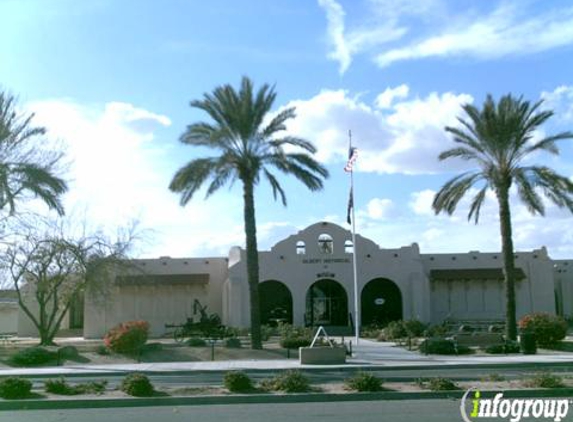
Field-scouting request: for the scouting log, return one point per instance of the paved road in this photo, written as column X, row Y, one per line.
column 377, row 411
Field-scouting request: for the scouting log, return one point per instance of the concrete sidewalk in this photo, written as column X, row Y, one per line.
column 369, row 353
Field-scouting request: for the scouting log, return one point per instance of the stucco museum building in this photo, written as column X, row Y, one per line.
column 307, row 279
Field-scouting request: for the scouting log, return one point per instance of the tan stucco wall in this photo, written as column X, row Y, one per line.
column 8, row 317
column 157, row 304
column 299, row 271
column 227, row 294
column 485, row 299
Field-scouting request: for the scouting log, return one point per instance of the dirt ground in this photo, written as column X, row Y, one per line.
column 157, row 350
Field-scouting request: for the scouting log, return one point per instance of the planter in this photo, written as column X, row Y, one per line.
column 528, row 343
column 322, row 355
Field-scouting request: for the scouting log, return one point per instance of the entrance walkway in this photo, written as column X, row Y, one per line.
column 373, row 352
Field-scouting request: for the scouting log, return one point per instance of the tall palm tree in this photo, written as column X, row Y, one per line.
column 499, row 139
column 27, row 167
column 246, row 148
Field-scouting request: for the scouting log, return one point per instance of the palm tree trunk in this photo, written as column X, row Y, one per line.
column 508, row 263
column 252, row 263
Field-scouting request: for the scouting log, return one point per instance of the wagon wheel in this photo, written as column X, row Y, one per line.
column 179, row 334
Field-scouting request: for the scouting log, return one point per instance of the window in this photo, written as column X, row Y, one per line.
column 348, row 246
column 300, row 248
column 325, row 244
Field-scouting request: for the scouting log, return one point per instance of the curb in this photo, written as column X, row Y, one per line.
column 39, row 404
column 307, row 368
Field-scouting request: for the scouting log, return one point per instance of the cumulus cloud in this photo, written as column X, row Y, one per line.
column 560, row 100
column 421, row 202
column 380, row 208
column 120, row 171
column 429, row 28
column 405, row 136
column 386, row 98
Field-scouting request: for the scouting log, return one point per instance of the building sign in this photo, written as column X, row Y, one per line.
column 325, row 275
column 326, row 261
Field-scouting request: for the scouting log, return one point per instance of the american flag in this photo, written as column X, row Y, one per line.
column 352, row 155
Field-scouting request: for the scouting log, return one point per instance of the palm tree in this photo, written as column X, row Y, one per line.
column 26, row 167
column 498, row 139
column 246, row 148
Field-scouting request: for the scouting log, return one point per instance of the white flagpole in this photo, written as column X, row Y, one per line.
column 354, row 267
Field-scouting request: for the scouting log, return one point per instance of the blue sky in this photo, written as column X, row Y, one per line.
column 112, row 80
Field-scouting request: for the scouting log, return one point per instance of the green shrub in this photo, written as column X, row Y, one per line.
column 93, row 387
column 266, row 332
column 364, row 381
column 291, row 381
column 439, row 330
column 196, row 342
column 233, row 343
column 32, row 356
column 137, row 385
column 438, row 346
column 414, row 327
column 127, row 337
column 60, row 386
column 438, row 384
column 237, row 382
column 370, row 331
column 294, row 337
column 548, row 329
column 68, row 353
column 15, row 388
column 102, row 350
column 509, row 347
column 295, row 342
column 544, row 380
column 395, row 330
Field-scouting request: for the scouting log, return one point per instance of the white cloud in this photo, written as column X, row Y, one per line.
column 119, row 172
column 345, row 44
column 335, row 31
column 386, row 98
column 560, row 100
column 404, row 138
column 421, row 202
column 504, row 32
column 380, row 209
column 428, row 29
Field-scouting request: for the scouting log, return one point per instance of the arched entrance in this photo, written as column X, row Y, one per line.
column 276, row 303
column 380, row 302
column 326, row 304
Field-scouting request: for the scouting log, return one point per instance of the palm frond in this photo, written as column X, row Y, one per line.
column 527, row 193
column 293, row 141
column 548, row 143
column 453, row 191
column 557, row 188
column 190, row 178
column 277, row 124
column 476, row 204
column 275, row 185
column 245, row 146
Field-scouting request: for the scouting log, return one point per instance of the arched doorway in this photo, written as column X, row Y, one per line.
column 276, row 303
column 326, row 304
column 381, row 302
